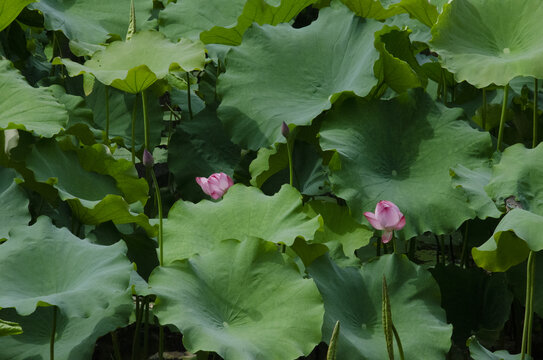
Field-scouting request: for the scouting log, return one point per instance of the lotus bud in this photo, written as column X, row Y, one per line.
column 148, row 160
column 216, row 185
column 387, row 217
column 285, row 131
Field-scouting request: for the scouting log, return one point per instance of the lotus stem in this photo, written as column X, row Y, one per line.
column 134, row 109
column 135, row 341
column 484, row 112
column 115, row 343
column 535, row 137
column 161, row 342
column 526, row 348
column 445, row 95
column 146, row 127
column 398, row 341
column 290, row 167
column 464, row 256
column 189, row 103
column 502, row 118
column 160, row 218
column 387, row 320
column 106, row 91
column 146, row 328
column 53, row 333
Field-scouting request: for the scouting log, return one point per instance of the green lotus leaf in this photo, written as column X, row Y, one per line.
column 518, row 233
column 28, row 108
column 243, row 212
column 474, row 32
column 418, row 31
column 240, row 300
column 421, row 10
column 401, row 150
column 205, row 149
column 134, row 65
column 395, row 72
column 75, row 336
column 9, row 9
column 478, row 352
column 264, row 85
column 221, row 22
column 77, row 276
column 14, row 210
column 88, row 23
column 9, row 328
column 97, row 187
column 353, row 296
column 518, row 174
column 472, row 183
column 339, row 228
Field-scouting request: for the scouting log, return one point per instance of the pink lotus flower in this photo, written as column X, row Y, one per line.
column 387, row 217
column 215, row 185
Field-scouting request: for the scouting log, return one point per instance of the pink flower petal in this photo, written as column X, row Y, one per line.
column 387, row 236
column 372, row 218
column 215, row 185
column 204, row 184
column 400, row 224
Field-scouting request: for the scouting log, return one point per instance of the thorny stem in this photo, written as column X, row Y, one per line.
column 398, row 341
column 290, row 168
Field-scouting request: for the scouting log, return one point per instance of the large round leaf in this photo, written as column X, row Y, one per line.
column 14, row 210
column 518, row 174
column 134, row 65
column 224, row 21
column 97, row 187
column 401, row 150
column 75, row 337
column 88, row 23
column 284, row 74
column 75, row 275
column 470, row 33
column 354, row 297
column 243, row 212
column 241, row 300
column 518, row 233
column 28, row 108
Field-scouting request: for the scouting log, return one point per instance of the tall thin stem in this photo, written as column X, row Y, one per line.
column 134, row 109
column 160, row 221
column 535, row 137
column 135, row 341
column 290, row 168
column 464, row 256
column 502, row 118
column 189, row 103
column 398, row 342
column 146, row 127
column 107, row 115
column 146, row 328
column 53, row 333
column 526, row 348
column 483, row 115
column 115, row 343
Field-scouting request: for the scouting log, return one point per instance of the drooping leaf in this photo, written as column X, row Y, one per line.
column 88, row 23
column 28, row 108
column 74, row 275
column 14, row 210
column 353, row 296
column 97, row 187
column 199, row 147
column 75, row 336
column 401, row 151
column 218, row 22
column 134, row 65
column 518, row 174
column 478, row 352
column 9, row 9
column 518, row 233
column 9, row 328
column 240, row 300
column 243, row 212
column 474, row 32
column 263, row 85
